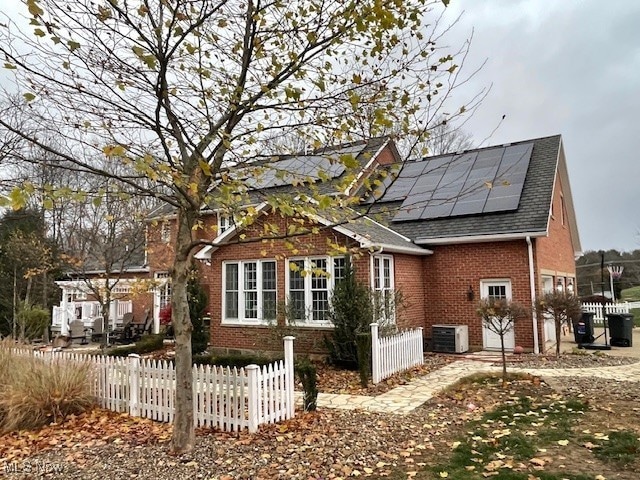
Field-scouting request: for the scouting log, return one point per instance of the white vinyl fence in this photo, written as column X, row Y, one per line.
column 395, row 353
column 227, row 398
column 596, row 308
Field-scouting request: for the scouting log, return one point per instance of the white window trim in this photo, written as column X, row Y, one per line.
column 163, row 288
column 225, row 222
column 392, row 279
column 165, row 232
column 307, row 321
column 485, row 283
column 241, row 320
column 547, row 284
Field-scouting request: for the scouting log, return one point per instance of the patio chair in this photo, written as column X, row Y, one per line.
column 148, row 324
column 96, row 329
column 77, row 331
column 123, row 333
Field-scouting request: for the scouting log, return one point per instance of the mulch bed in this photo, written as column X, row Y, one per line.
column 335, row 380
column 569, row 360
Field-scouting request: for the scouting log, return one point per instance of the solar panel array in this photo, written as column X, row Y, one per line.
column 302, row 168
column 489, row 180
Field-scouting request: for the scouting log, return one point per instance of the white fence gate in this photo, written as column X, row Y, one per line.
column 395, row 353
column 228, row 398
column 596, row 308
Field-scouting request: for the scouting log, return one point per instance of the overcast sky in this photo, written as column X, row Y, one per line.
column 561, row 66
column 570, row 67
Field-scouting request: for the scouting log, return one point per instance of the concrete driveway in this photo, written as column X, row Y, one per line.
column 568, row 344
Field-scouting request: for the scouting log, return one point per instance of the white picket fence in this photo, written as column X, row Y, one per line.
column 596, row 308
column 395, row 353
column 230, row 399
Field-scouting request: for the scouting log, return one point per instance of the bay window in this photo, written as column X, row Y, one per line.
column 249, row 291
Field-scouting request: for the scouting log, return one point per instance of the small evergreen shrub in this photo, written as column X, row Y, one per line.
column 308, row 376
column 147, row 344
column 241, row 360
column 351, row 314
column 33, row 321
column 364, row 358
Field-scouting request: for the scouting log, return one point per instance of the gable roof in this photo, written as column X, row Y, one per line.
column 366, row 231
column 530, row 218
column 293, row 174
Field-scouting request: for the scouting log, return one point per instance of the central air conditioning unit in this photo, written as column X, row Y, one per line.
column 450, row 338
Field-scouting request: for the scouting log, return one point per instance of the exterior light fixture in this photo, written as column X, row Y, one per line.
column 470, row 294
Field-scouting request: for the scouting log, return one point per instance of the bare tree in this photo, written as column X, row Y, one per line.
column 104, row 244
column 185, row 91
column 500, row 317
column 563, row 307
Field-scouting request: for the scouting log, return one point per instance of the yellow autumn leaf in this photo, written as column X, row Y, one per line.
column 563, row 442
column 444, row 474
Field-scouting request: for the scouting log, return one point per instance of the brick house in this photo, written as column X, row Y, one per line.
column 445, row 231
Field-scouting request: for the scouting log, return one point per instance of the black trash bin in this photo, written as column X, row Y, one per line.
column 583, row 328
column 620, row 329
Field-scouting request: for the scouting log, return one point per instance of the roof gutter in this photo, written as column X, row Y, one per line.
column 399, row 249
column 532, row 287
column 500, row 237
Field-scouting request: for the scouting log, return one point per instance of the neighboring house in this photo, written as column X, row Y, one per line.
column 445, row 231
column 79, row 302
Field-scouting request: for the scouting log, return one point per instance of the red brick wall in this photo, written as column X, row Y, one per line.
column 409, row 280
column 452, row 269
column 263, row 338
column 555, row 252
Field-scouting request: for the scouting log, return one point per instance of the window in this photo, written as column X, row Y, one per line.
column 224, row 223
column 562, row 216
column 249, row 291
column 310, row 283
column 496, row 289
column 383, row 287
column 165, row 232
column 163, row 289
column 76, row 294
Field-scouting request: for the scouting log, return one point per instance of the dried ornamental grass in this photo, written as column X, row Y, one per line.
column 36, row 392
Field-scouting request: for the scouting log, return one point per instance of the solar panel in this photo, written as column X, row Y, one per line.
column 490, row 180
column 289, row 170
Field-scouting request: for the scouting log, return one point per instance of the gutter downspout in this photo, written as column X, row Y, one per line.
column 532, row 287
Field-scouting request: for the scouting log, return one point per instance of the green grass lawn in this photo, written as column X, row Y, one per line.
column 531, row 435
column 631, row 294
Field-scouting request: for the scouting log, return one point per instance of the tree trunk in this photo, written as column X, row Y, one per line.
column 504, row 359
column 27, row 304
column 183, row 428
column 14, row 332
column 45, row 303
column 558, row 322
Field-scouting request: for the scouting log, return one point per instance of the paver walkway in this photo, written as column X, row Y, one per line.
column 405, row 398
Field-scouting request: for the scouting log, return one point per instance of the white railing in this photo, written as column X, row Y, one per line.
column 596, row 308
column 228, row 398
column 88, row 311
column 395, row 353
column 124, row 306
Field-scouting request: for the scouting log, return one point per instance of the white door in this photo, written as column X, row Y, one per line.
column 549, row 323
column 496, row 289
